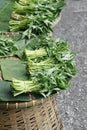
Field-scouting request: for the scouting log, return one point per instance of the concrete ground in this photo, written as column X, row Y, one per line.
column 72, row 103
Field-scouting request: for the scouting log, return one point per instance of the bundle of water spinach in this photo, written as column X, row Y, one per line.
column 50, row 66
column 34, row 17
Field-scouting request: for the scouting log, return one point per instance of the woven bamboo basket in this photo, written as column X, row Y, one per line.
column 41, row 114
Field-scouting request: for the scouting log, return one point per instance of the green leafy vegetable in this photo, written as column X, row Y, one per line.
column 49, row 72
column 11, row 46
column 38, row 66
column 7, row 46
column 20, row 86
column 34, row 17
column 32, row 54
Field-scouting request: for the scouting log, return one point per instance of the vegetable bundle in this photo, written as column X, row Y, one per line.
column 34, row 17
column 49, row 71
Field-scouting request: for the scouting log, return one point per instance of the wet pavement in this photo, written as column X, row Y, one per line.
column 72, row 103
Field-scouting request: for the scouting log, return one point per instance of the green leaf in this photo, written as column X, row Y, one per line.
column 21, row 46
column 6, row 93
column 5, row 13
column 13, row 69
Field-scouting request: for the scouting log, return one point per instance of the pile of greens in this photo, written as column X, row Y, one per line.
column 49, row 65
column 12, row 46
column 7, row 46
column 45, row 65
column 34, row 17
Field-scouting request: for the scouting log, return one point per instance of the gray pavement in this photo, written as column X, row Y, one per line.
column 72, row 103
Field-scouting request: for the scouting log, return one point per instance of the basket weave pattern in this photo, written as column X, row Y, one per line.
column 22, row 116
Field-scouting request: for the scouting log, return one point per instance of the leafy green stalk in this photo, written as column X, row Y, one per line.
column 18, row 17
column 27, row 2
column 33, row 54
column 19, row 87
column 18, row 25
column 22, row 9
column 33, row 67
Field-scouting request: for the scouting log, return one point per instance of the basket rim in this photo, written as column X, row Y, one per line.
column 25, row 104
